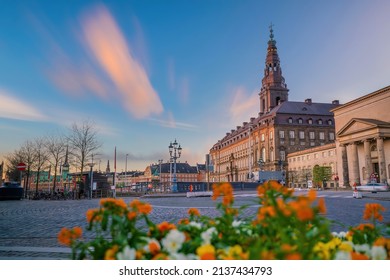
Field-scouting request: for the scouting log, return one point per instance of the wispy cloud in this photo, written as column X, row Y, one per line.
column 169, row 121
column 14, row 108
column 106, row 43
column 244, row 105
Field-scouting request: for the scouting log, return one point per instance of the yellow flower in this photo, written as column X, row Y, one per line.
column 346, row 246
column 206, row 252
column 110, row 253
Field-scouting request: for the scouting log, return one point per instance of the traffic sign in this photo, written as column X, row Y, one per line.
column 21, row 166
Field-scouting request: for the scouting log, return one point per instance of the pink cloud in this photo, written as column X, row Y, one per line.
column 108, row 47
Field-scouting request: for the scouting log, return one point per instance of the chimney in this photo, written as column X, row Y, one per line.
column 335, row 102
column 238, row 127
column 308, row 101
column 244, row 123
column 232, row 130
column 252, row 119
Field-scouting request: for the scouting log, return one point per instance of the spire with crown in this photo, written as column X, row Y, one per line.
column 274, row 89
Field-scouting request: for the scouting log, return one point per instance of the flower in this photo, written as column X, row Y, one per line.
column 193, row 212
column 110, row 253
column 68, row 236
column 165, row 226
column 173, row 241
column 206, row 252
column 342, row 255
column 208, row 235
column 152, row 246
column 373, row 211
column 378, row 253
column 126, row 254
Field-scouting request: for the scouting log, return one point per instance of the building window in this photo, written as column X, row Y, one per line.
column 331, row 136
column 290, row 120
column 301, row 135
column 310, row 121
column 322, row 136
column 319, row 121
column 281, row 134
column 300, row 121
column 271, row 135
column 263, row 154
column 312, row 143
column 312, row 135
column 262, row 137
column 330, row 122
column 292, row 134
column 282, row 155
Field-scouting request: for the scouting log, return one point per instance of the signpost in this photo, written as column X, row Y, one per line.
column 21, row 166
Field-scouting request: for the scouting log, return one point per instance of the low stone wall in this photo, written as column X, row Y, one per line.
column 199, row 194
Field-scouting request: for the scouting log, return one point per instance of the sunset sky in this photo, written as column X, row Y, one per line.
column 147, row 72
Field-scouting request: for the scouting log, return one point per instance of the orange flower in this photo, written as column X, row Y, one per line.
column 321, row 206
column 184, row 221
column 373, row 211
column 293, row 256
column 224, row 189
column 145, row 208
column 165, row 226
column 92, row 215
column 305, row 214
column 154, row 247
column 267, row 255
column 67, row 236
column 312, row 195
column 131, row 215
column 110, row 253
column 193, row 212
column 358, row 256
column 160, row 256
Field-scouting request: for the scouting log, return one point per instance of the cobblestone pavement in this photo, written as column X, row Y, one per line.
column 28, row 228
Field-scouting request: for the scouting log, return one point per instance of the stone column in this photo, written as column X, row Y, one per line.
column 367, row 160
column 355, row 164
column 381, row 160
column 344, row 159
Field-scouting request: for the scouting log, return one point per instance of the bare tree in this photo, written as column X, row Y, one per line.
column 41, row 158
column 83, row 141
column 56, row 147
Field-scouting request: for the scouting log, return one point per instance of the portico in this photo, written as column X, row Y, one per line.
column 363, row 139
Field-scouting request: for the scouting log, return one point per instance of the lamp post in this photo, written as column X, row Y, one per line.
column 91, row 184
column 65, row 171
column 175, row 153
column 126, row 171
column 159, row 174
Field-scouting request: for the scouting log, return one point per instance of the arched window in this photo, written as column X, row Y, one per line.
column 310, row 121
column 300, row 121
column 319, row 121
column 263, row 154
column 290, row 120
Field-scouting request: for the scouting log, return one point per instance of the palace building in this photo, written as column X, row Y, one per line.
column 279, row 128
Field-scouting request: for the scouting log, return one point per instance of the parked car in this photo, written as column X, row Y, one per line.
column 373, row 187
column 11, row 190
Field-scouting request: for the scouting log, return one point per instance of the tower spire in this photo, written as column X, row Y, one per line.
column 274, row 89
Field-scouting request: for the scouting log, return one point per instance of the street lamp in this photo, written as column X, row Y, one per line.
column 175, row 153
column 159, row 162
column 90, row 187
column 126, row 171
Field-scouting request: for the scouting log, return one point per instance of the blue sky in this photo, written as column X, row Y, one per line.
column 147, row 72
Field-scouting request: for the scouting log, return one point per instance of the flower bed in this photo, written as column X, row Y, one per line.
column 285, row 227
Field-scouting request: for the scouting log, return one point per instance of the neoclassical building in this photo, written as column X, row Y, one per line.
column 279, row 128
column 363, row 138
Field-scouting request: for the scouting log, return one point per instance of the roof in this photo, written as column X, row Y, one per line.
column 304, row 108
column 180, row 168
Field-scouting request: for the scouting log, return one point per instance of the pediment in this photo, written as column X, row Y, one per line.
column 357, row 125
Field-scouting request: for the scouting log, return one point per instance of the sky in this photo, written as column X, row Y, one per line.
column 149, row 72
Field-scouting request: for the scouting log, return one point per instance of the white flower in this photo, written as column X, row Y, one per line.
column 195, row 225
column 173, row 241
column 127, row 254
column 341, row 234
column 207, row 235
column 236, row 223
column 378, row 253
column 363, row 248
column 342, row 255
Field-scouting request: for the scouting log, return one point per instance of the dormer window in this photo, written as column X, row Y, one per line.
column 290, row 120
column 330, row 122
column 319, row 121
column 300, row 121
column 310, row 121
